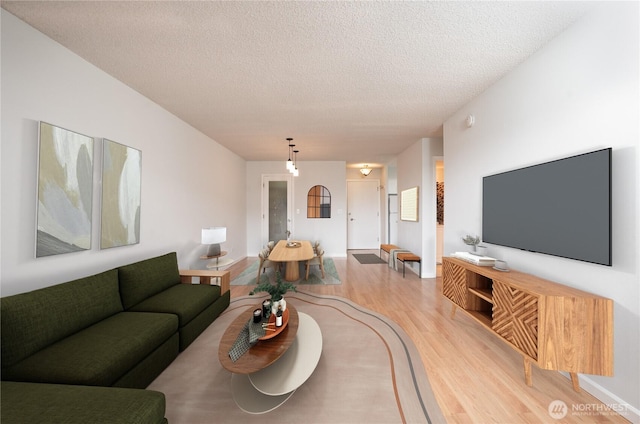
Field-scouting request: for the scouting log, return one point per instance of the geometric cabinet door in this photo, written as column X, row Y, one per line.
column 515, row 317
column 454, row 283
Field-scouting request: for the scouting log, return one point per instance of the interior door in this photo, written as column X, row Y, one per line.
column 363, row 214
column 277, row 205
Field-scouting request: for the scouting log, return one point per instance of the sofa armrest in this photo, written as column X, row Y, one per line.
column 24, row 403
column 205, row 276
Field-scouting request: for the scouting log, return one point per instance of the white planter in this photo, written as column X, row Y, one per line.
column 274, row 305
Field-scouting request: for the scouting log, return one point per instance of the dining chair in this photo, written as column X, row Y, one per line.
column 316, row 260
column 265, row 263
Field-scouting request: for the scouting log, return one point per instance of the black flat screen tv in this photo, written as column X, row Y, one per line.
column 560, row 208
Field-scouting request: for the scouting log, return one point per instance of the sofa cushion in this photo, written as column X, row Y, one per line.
column 196, row 326
column 34, row 320
column 141, row 280
column 24, row 403
column 100, row 354
column 184, row 300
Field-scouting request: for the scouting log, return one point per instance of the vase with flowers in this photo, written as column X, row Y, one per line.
column 276, row 291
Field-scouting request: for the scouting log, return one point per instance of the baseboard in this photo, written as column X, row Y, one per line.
column 615, row 403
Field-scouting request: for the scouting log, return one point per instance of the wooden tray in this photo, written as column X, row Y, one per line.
column 293, row 244
column 272, row 320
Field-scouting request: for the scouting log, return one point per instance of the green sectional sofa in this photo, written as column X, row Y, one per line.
column 70, row 404
column 117, row 329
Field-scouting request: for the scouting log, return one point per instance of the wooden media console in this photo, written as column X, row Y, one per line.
column 553, row 326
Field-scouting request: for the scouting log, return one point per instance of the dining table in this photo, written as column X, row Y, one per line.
column 292, row 253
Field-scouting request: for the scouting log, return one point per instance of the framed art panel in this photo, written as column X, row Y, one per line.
column 65, row 191
column 409, row 204
column 440, row 202
column 121, row 176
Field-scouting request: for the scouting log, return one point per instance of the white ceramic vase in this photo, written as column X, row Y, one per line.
column 275, row 304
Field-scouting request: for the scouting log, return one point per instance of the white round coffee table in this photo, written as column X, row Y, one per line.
column 265, row 390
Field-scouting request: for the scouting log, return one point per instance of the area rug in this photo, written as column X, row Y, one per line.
column 249, row 275
column 368, row 258
column 370, row 371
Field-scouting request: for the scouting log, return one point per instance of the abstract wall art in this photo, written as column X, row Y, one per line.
column 121, row 183
column 440, row 202
column 65, row 191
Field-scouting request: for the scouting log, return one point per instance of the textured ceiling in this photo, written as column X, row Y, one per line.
column 352, row 81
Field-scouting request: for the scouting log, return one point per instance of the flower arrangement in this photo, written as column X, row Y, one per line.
column 276, row 291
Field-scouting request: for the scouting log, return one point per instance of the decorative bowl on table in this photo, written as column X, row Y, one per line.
column 271, row 323
column 293, row 244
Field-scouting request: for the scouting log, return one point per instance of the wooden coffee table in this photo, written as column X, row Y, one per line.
column 263, row 353
column 271, row 371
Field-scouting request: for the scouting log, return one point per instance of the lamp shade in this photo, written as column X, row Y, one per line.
column 214, row 235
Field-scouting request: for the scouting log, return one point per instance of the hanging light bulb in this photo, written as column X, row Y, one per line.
column 292, row 164
column 289, row 163
column 295, row 164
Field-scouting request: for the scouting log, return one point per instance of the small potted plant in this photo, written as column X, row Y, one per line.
column 471, row 241
column 276, row 291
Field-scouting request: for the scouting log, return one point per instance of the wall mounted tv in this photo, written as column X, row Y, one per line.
column 560, row 208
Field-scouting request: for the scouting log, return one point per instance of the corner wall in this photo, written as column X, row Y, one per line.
column 417, row 167
column 42, row 80
column 578, row 94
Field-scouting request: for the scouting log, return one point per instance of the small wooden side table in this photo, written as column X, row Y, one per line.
column 205, row 276
column 216, row 257
column 218, row 263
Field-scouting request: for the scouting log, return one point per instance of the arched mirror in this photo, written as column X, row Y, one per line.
column 319, row 202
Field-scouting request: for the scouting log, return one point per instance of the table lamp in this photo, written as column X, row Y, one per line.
column 213, row 237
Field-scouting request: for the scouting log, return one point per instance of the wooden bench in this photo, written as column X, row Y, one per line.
column 409, row 257
column 387, row 248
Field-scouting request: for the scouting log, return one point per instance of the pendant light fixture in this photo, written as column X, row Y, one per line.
column 295, row 163
column 292, row 164
column 365, row 170
column 289, row 163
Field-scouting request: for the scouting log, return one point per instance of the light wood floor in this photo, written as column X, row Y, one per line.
column 476, row 377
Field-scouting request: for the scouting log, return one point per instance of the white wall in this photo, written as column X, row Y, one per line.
column 332, row 232
column 416, row 166
column 188, row 180
column 432, row 150
column 391, row 187
column 577, row 94
column 439, row 227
